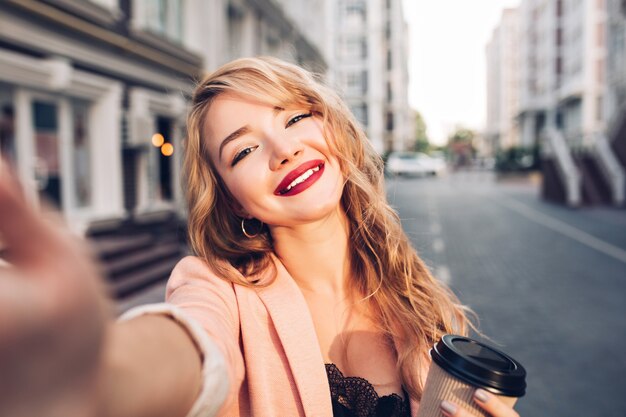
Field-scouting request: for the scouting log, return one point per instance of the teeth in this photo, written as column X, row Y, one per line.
column 302, row 177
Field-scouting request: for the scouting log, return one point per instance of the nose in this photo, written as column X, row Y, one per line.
column 284, row 150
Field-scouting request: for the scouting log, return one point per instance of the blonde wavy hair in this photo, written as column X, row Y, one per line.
column 410, row 307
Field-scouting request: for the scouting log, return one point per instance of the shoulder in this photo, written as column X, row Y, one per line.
column 197, row 272
column 194, row 265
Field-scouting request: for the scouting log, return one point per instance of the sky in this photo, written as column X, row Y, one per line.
column 447, row 64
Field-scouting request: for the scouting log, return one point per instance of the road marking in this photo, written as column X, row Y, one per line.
column 442, row 273
column 438, row 245
column 564, row 228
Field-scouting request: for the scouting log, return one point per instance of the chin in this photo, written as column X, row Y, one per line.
column 311, row 212
column 319, row 209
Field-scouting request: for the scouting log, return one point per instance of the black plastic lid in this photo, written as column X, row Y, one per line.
column 480, row 365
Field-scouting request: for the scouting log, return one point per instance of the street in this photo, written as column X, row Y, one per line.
column 547, row 282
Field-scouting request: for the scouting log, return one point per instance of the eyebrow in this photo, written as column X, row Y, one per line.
column 237, row 133
column 240, row 132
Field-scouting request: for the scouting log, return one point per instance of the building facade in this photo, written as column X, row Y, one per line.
column 570, row 95
column 231, row 29
column 563, row 66
column 94, row 96
column 615, row 60
column 615, row 102
column 538, row 59
column 503, row 53
column 370, row 68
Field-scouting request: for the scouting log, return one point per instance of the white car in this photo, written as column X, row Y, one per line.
column 414, row 163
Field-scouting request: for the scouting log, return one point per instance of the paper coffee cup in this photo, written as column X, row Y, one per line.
column 459, row 366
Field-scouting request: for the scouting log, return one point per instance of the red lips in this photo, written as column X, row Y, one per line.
column 283, row 190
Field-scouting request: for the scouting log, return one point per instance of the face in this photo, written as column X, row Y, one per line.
column 275, row 162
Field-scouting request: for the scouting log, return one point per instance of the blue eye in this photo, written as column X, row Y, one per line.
column 297, row 118
column 242, row 154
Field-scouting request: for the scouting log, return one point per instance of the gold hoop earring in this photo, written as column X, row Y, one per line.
column 250, row 235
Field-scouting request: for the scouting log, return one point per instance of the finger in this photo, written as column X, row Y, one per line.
column 25, row 236
column 450, row 409
column 493, row 405
column 20, row 302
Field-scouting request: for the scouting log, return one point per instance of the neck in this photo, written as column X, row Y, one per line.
column 316, row 254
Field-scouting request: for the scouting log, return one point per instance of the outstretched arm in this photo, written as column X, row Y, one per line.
column 61, row 354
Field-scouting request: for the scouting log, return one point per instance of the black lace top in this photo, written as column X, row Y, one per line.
column 356, row 397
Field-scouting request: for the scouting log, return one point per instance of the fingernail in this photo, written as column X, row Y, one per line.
column 481, row 395
column 448, row 407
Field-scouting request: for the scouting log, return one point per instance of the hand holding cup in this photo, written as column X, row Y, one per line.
column 468, row 378
column 491, row 404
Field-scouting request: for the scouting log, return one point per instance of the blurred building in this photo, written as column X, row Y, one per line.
column 502, row 52
column 314, row 19
column 538, row 52
column 370, row 68
column 616, row 78
column 94, row 96
column 566, row 101
column 229, row 29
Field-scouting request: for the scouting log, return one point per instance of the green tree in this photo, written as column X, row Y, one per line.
column 420, row 140
column 462, row 135
column 461, row 146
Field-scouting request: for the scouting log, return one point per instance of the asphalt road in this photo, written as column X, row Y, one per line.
column 547, row 282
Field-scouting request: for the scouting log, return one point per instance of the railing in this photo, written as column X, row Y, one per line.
column 610, row 167
column 616, row 121
column 565, row 164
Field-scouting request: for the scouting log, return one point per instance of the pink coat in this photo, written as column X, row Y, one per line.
column 266, row 336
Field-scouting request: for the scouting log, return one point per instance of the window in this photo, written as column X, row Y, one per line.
column 389, row 121
column 364, row 82
column 235, row 31
column 47, row 160
column 7, row 124
column 81, row 154
column 354, row 12
column 354, row 47
column 352, row 81
column 164, row 17
column 355, row 7
column 360, row 113
column 160, row 170
column 599, row 108
column 356, row 82
column 559, row 119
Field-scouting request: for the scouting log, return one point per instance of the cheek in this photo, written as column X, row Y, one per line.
column 245, row 190
column 238, row 189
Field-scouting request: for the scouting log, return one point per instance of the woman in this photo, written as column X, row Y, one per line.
column 304, row 297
